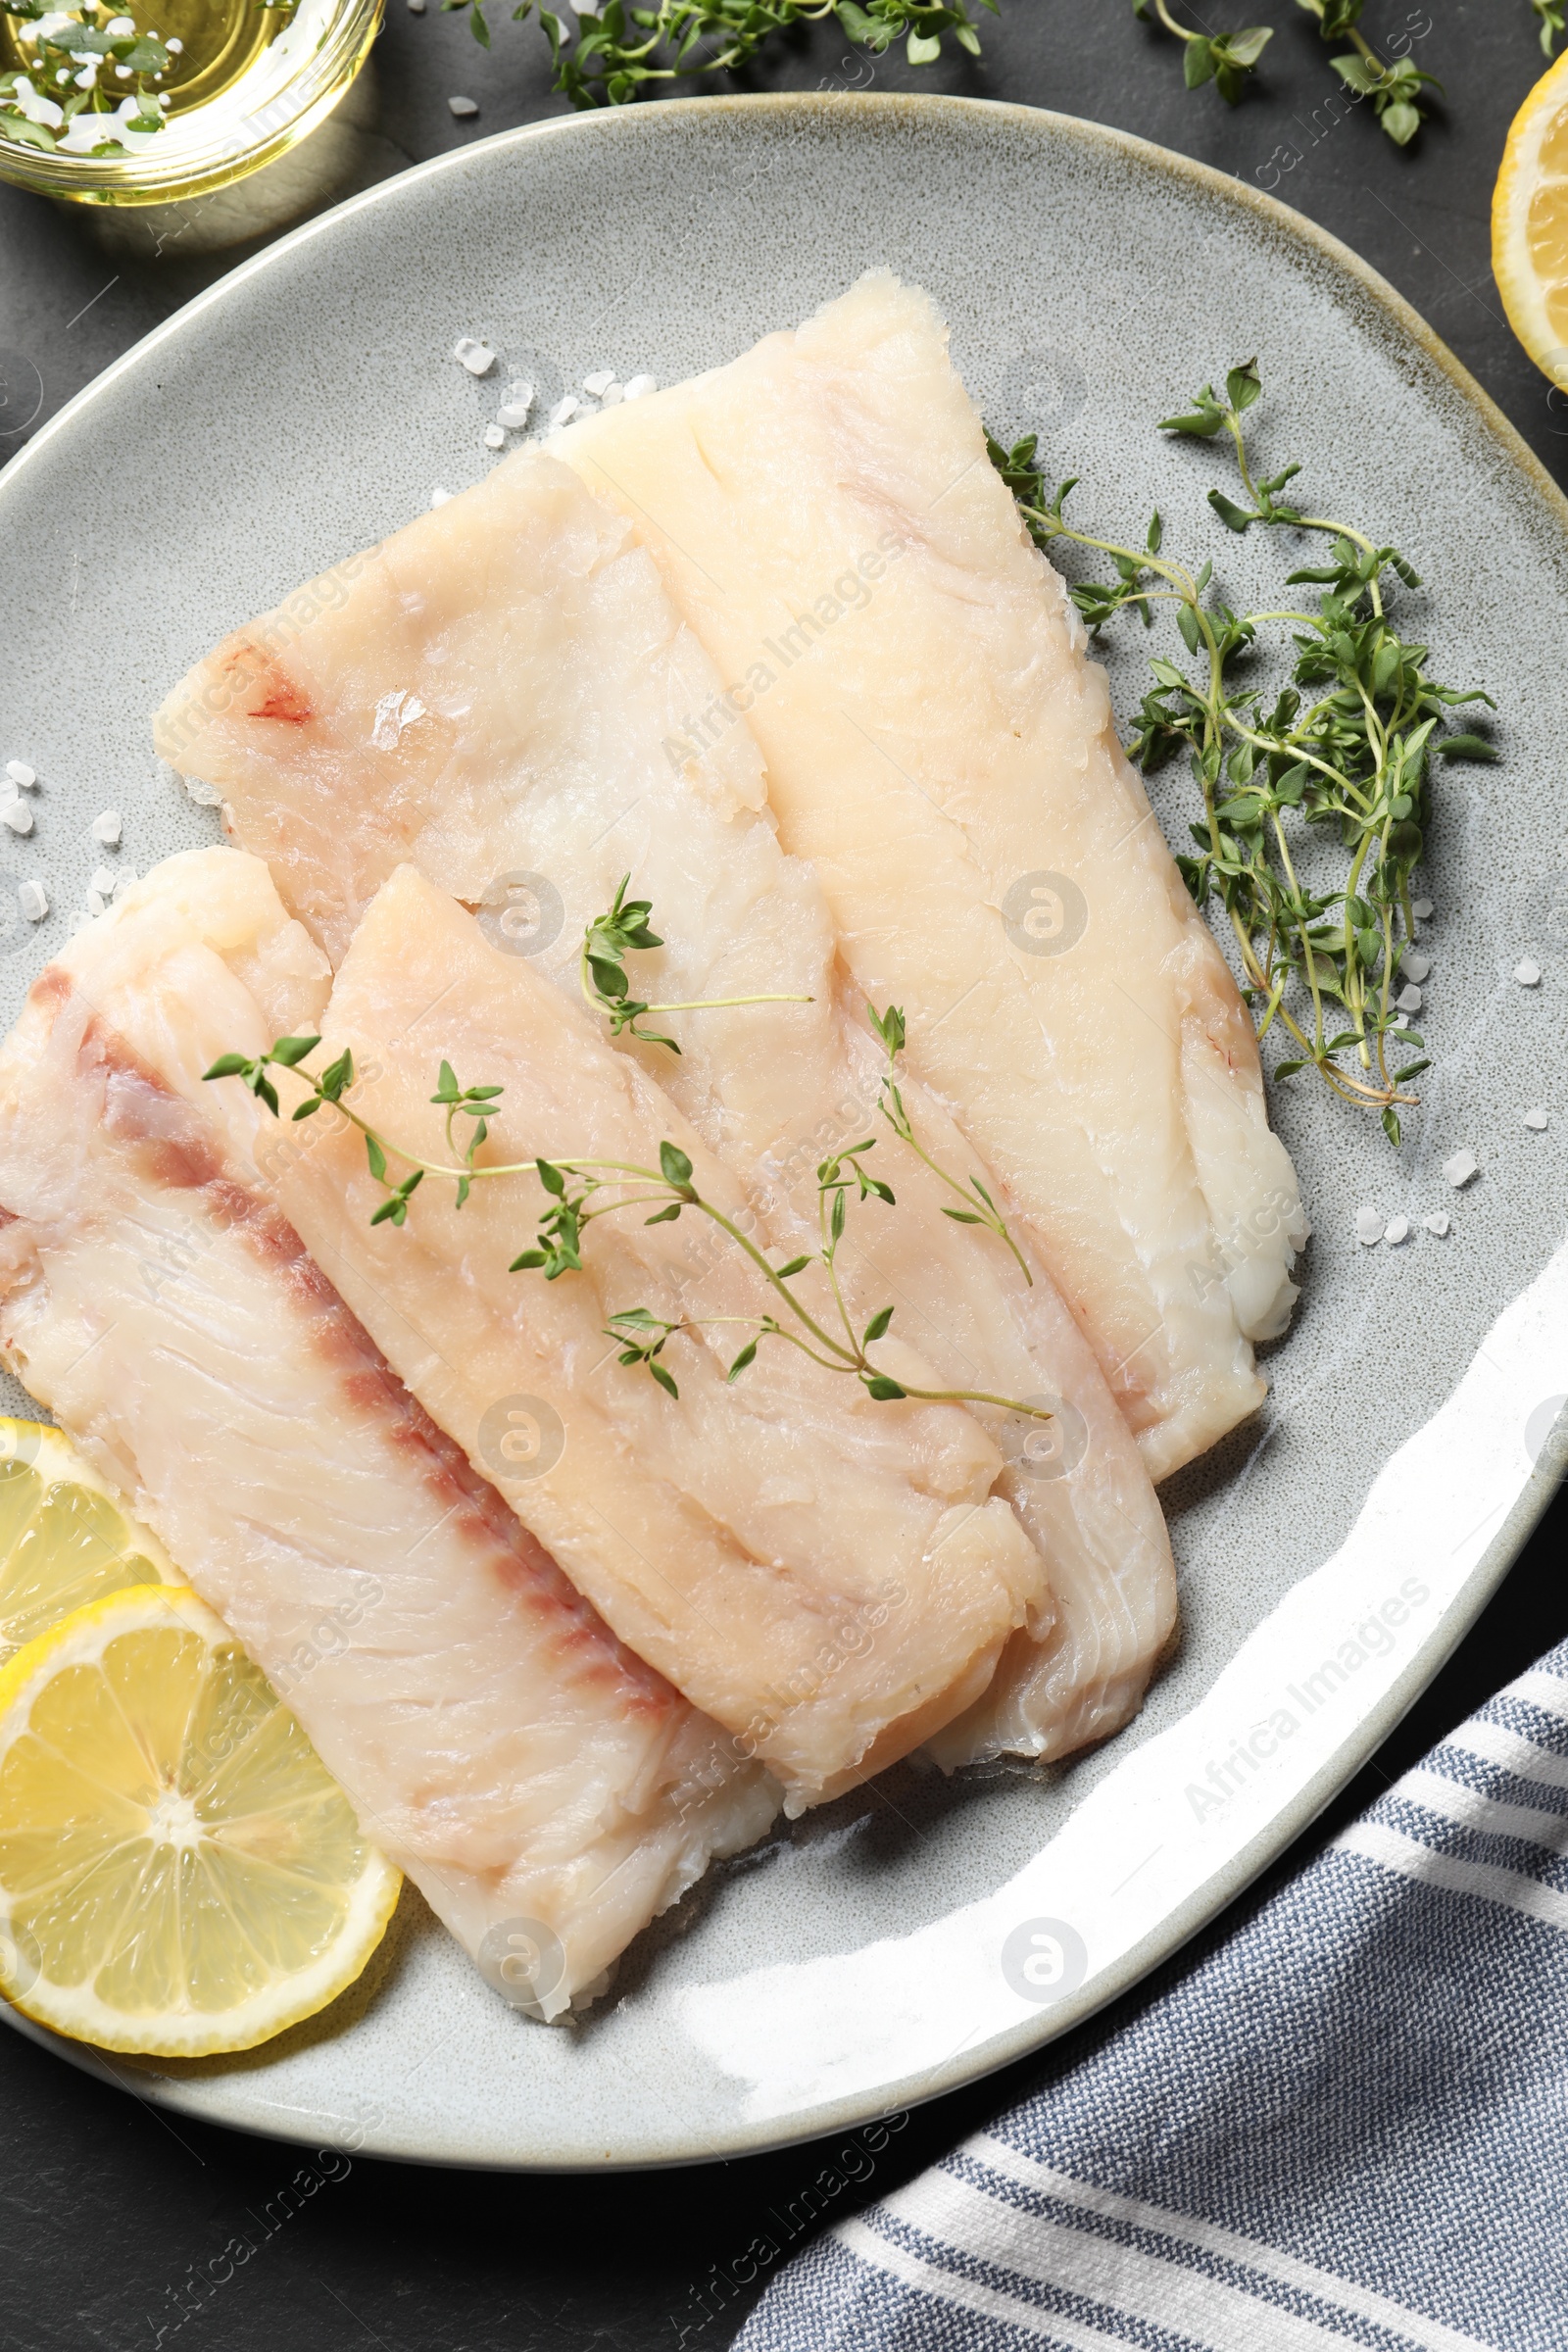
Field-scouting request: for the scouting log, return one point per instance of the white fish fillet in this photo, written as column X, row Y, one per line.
column 494, row 1737
column 554, row 681
column 825, row 515
column 827, row 1572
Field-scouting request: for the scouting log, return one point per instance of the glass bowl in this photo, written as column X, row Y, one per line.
column 258, row 109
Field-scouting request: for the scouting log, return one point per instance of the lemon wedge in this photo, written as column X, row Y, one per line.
column 65, row 1537
column 1530, row 224
column 180, row 1874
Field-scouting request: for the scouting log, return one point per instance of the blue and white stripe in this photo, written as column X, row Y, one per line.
column 1345, row 2125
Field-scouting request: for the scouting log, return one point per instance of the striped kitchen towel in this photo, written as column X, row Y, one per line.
column 1346, row 2124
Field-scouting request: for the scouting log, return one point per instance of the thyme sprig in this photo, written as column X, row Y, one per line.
column 1393, row 85
column 602, row 972
column 580, row 1191
column 35, row 113
column 1346, row 747
column 1223, row 57
column 618, row 50
column 978, row 1207
column 1551, row 13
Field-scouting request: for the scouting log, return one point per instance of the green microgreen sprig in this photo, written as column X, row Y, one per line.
column 601, row 970
column 70, row 57
column 578, row 1191
column 1346, row 747
column 617, row 50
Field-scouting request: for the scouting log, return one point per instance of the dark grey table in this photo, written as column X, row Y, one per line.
column 107, row 2207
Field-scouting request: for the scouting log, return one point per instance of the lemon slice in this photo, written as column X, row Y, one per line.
column 65, row 1537
column 178, row 1872
column 1530, row 224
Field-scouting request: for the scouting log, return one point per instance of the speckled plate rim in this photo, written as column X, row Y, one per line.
column 1218, row 1891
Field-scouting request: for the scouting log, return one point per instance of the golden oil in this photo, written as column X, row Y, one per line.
column 221, row 39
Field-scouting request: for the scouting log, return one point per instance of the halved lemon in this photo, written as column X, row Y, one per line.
column 66, row 1538
column 178, row 1872
column 1529, row 224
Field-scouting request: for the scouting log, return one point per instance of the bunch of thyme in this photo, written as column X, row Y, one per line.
column 1346, row 747
column 617, row 50
column 70, row 56
column 577, row 1192
column 1393, row 85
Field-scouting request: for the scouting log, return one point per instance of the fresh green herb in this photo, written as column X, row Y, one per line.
column 578, row 1191
column 1346, row 747
column 618, row 50
column 1223, row 57
column 978, row 1207
column 1393, row 89
column 602, row 967
column 1551, row 13
column 37, row 108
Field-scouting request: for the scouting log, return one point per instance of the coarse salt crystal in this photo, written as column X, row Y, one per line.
column 462, row 107
column 18, row 816
column 205, row 795
column 611, row 396
column 1528, row 973
column 477, row 357
column 1409, row 999
column 440, row 497
column 1416, row 967
column 564, row 410
column 103, row 882
column 638, row 385
column 1436, row 1221
column 1421, row 908
column 599, row 383
column 1368, row 1227
column 1538, row 1120
column 1397, row 1229
column 1461, row 1168
column 415, row 7
column 95, row 902
column 106, row 828
column 33, row 899
column 494, row 437
column 18, row 773
column 123, row 880
column 512, row 413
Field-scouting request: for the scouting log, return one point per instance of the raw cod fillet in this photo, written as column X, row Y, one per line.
column 556, row 696
column 830, row 1573
column 825, row 515
column 494, row 1738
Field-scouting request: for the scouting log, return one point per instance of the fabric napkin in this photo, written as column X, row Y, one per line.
column 1345, row 2125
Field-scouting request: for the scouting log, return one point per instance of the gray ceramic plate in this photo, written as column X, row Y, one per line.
column 866, row 1958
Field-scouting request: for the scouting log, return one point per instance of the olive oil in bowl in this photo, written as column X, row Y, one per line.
column 160, row 99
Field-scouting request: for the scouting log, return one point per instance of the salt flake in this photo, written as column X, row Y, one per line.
column 18, row 816
column 470, row 352
column 103, row 882
column 637, row 386
column 1421, row 908
column 564, row 410
column 494, row 437
column 1409, row 999
column 1461, row 1168
column 1528, row 973
column 33, row 899
column 1397, row 1229
column 440, row 497
column 1416, row 967
column 1369, row 1227
column 1436, row 1221
column 106, row 828
column 599, row 383
column 1538, row 1120
column 462, row 107
column 18, row 773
